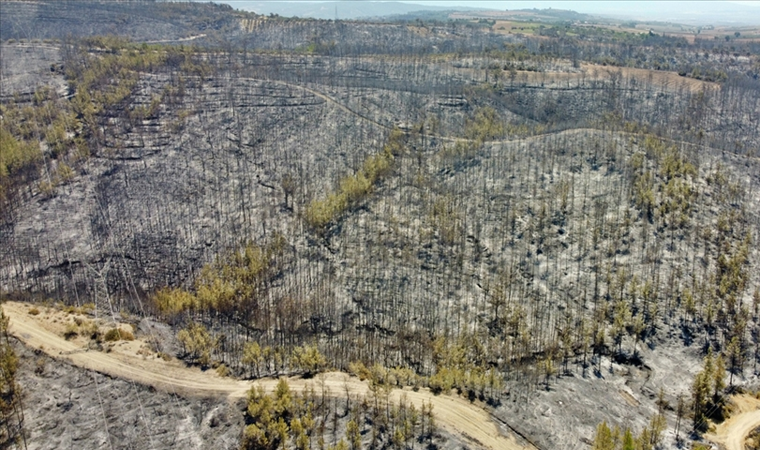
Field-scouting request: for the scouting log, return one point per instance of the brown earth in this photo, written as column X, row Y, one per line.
column 732, row 433
column 129, row 360
column 667, row 80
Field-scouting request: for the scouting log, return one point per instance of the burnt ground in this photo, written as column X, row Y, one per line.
column 69, row 407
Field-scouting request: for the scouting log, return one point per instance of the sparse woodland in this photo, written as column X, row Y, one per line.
column 438, row 209
column 312, row 419
column 11, row 394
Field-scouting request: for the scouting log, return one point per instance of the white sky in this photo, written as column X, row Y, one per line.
column 690, row 12
column 663, row 10
column 560, row 4
column 568, row 4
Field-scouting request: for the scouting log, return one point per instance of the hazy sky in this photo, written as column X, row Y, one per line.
column 677, row 11
column 694, row 12
column 567, row 4
column 590, row 7
column 580, row 6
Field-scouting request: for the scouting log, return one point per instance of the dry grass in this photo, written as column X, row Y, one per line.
column 513, row 27
column 71, row 332
column 118, row 334
column 668, row 80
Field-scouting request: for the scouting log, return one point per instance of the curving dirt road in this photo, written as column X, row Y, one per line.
column 37, row 331
column 184, row 39
column 348, row 110
column 732, row 432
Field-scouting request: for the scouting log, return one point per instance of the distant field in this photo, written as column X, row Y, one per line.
column 515, row 27
column 690, row 33
column 746, row 34
column 527, row 23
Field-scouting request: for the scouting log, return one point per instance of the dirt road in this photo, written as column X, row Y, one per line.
column 732, row 433
column 184, row 39
column 42, row 331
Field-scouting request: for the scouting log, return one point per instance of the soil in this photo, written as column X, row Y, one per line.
column 26, row 67
column 163, row 403
column 68, row 407
column 170, row 228
column 732, row 433
column 42, row 332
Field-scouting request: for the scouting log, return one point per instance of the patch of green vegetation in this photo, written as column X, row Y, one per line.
column 25, row 129
column 316, row 47
column 486, row 125
column 10, row 391
column 229, row 286
column 104, row 71
column 57, row 134
column 285, row 419
column 662, row 188
column 352, row 189
column 118, row 334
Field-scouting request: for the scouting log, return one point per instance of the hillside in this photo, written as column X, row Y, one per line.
column 559, row 227
column 335, row 10
column 140, row 20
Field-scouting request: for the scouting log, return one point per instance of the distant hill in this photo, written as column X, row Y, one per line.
column 340, row 10
column 539, row 15
column 142, row 21
column 699, row 13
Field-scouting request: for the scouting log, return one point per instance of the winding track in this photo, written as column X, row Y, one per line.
column 740, row 429
column 732, row 433
column 342, row 107
column 453, row 413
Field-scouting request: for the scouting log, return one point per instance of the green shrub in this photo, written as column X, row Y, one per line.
column 352, row 189
column 360, row 370
column 93, row 331
column 127, row 335
column 39, row 366
column 116, row 334
column 223, row 371
column 71, row 331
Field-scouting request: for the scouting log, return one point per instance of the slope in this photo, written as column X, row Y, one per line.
column 453, row 413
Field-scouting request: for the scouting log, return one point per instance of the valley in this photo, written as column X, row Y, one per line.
column 476, row 238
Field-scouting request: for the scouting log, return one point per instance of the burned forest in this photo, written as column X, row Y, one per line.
column 360, row 221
